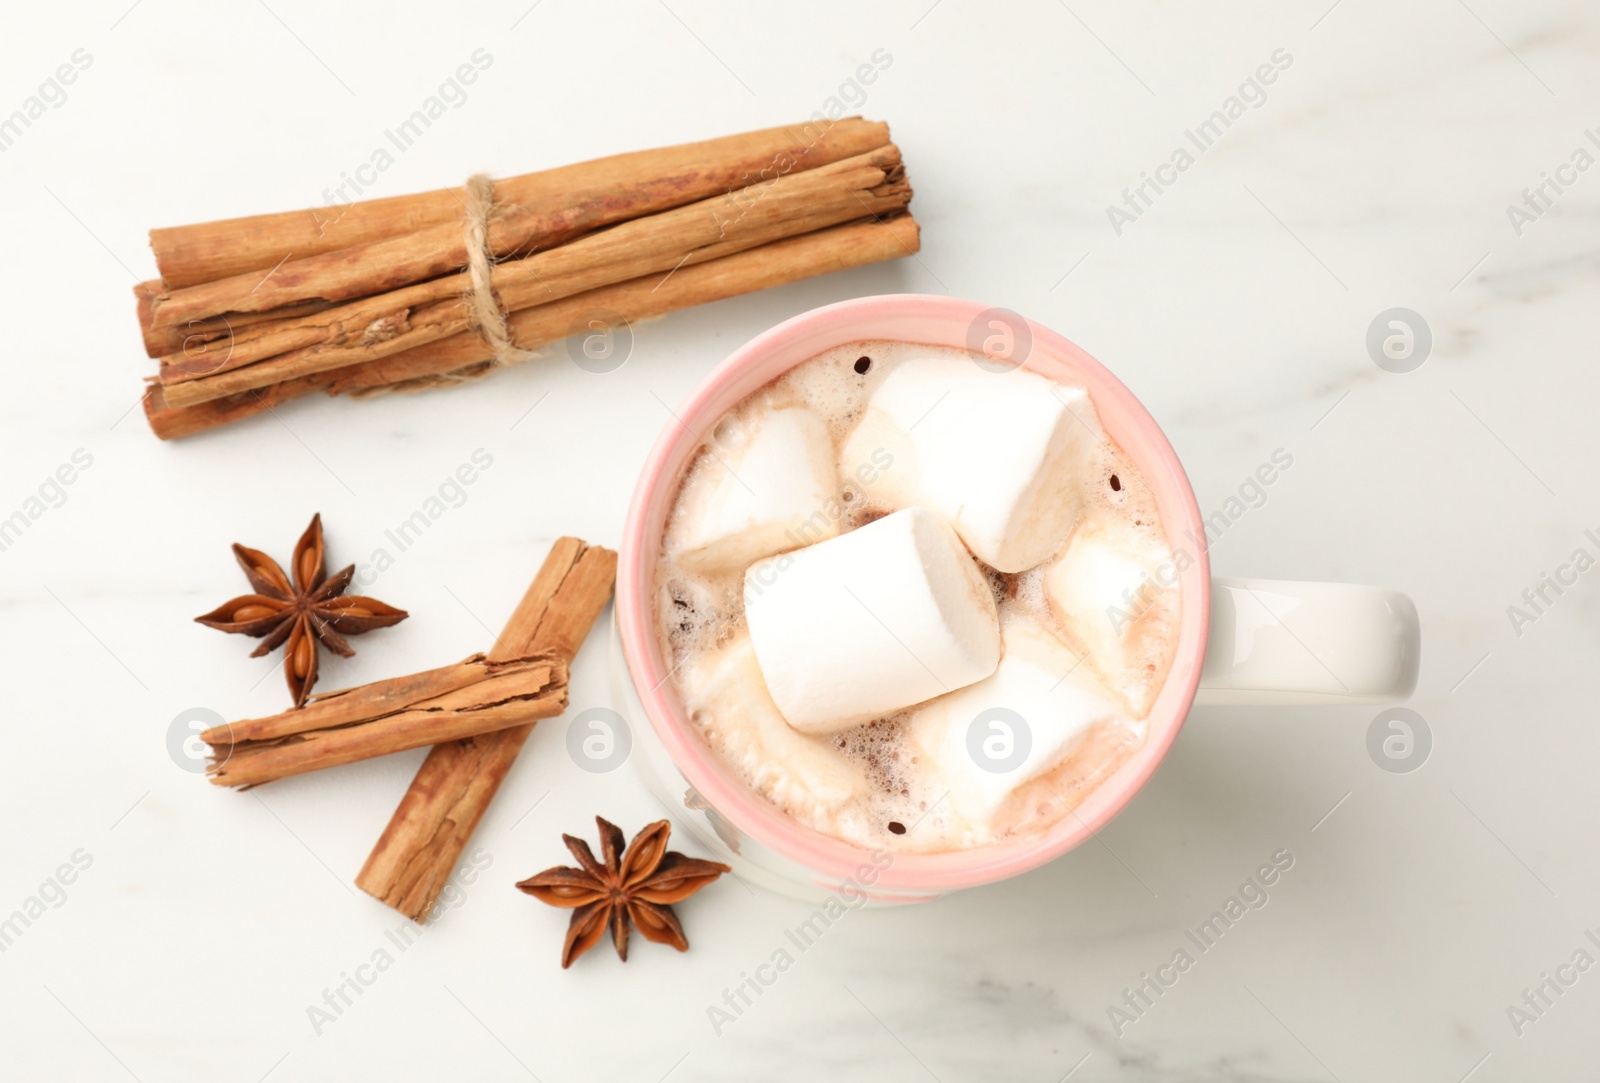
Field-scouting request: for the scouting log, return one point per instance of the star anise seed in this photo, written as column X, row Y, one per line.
column 300, row 611
column 636, row 886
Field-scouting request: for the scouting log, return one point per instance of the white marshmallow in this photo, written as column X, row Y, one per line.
column 870, row 622
column 773, row 493
column 1107, row 592
column 803, row 775
column 1001, row 455
column 975, row 747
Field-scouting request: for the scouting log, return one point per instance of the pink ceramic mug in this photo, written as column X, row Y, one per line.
column 1269, row 642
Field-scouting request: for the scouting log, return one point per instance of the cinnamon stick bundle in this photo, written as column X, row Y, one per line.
column 254, row 312
column 465, row 355
column 418, row 851
column 391, row 322
column 473, row 696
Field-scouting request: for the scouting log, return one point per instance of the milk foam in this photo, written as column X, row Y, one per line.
column 701, row 615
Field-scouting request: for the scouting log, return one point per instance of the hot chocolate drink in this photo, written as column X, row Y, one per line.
column 917, row 600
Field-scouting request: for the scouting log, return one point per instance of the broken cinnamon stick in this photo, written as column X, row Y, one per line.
column 471, row 697
column 419, row 849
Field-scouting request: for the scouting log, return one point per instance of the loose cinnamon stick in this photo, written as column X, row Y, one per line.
column 819, row 252
column 428, row 832
column 570, row 200
column 471, row 697
column 390, row 323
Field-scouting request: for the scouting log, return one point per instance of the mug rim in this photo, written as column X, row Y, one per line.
column 833, row 861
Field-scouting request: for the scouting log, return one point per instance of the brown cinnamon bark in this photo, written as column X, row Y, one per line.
column 563, row 202
column 428, row 832
column 374, row 327
column 472, row 697
column 836, row 248
column 190, row 339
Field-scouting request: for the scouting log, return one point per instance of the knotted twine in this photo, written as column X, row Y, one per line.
column 485, row 315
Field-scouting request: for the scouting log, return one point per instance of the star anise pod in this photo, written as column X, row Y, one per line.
column 636, row 886
column 301, row 611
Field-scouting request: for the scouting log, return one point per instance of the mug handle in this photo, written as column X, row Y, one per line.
column 1281, row 642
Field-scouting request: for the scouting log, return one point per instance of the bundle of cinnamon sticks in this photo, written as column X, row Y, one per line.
column 253, row 312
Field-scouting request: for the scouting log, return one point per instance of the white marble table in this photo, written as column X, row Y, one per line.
column 1376, row 174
